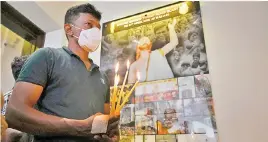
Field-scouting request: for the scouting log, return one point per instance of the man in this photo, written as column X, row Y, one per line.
column 202, row 65
column 161, row 34
column 170, row 124
column 68, row 89
column 148, row 61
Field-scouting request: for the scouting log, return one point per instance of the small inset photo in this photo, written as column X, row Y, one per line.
column 170, row 123
column 138, row 138
column 145, row 125
column 164, row 106
column 165, row 138
column 126, row 139
column 201, row 125
column 127, row 120
column 203, row 85
column 196, row 107
column 146, row 108
column 149, row 138
column 196, row 138
column 186, row 87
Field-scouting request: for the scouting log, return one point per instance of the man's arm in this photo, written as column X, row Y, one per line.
column 132, row 74
column 173, row 38
column 22, row 116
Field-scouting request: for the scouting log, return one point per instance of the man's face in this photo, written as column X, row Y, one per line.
column 185, row 66
column 193, row 37
column 196, row 59
column 169, row 119
column 84, row 21
column 161, row 34
column 176, row 55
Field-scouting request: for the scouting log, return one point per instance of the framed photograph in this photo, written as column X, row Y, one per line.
column 126, row 139
column 164, row 106
column 145, row 125
column 139, row 138
column 127, row 120
column 203, row 85
column 149, row 138
column 196, row 107
column 162, row 43
column 196, row 138
column 200, row 125
column 186, row 87
column 165, row 138
column 157, row 91
column 170, row 123
column 146, row 108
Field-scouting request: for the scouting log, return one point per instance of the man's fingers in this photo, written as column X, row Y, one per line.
column 113, row 119
column 114, row 132
column 174, row 22
column 97, row 137
column 113, row 126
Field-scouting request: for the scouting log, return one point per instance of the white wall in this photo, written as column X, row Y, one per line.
column 236, row 35
column 55, row 39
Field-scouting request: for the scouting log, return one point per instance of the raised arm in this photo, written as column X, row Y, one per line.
column 173, row 38
column 132, row 74
column 20, row 112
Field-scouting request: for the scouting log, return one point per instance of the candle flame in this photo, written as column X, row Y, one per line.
column 117, row 79
column 116, row 67
column 138, row 76
column 128, row 64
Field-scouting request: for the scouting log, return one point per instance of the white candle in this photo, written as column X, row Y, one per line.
column 128, row 95
column 122, row 88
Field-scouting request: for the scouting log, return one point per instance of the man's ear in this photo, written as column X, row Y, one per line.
column 68, row 29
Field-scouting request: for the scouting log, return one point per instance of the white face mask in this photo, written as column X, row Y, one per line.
column 90, row 39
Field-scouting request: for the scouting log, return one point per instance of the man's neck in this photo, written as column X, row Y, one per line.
column 77, row 50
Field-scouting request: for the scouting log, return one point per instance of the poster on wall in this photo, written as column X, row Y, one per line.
column 166, row 42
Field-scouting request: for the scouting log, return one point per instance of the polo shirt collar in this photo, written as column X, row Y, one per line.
column 93, row 65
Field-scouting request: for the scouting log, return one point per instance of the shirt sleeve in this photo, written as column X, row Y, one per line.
column 37, row 68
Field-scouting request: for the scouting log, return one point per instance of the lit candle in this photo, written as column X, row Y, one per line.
column 114, row 97
column 126, row 98
column 122, row 88
column 116, row 81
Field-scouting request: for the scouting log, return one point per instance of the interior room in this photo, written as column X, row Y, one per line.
column 169, row 71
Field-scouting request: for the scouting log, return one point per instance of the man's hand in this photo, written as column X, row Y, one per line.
column 172, row 25
column 112, row 134
column 105, row 138
column 112, row 129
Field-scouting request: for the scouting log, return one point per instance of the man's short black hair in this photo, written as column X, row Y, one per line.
column 196, row 55
column 73, row 13
column 17, row 64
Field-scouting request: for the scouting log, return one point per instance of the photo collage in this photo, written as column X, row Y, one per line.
column 167, row 117
column 173, row 100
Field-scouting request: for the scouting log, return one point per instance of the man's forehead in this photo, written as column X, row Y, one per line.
column 87, row 17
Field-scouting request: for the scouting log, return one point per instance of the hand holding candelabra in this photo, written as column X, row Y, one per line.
column 121, row 97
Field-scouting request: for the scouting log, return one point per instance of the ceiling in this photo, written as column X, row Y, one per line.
column 49, row 16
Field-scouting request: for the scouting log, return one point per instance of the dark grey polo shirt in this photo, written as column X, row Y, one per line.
column 70, row 90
